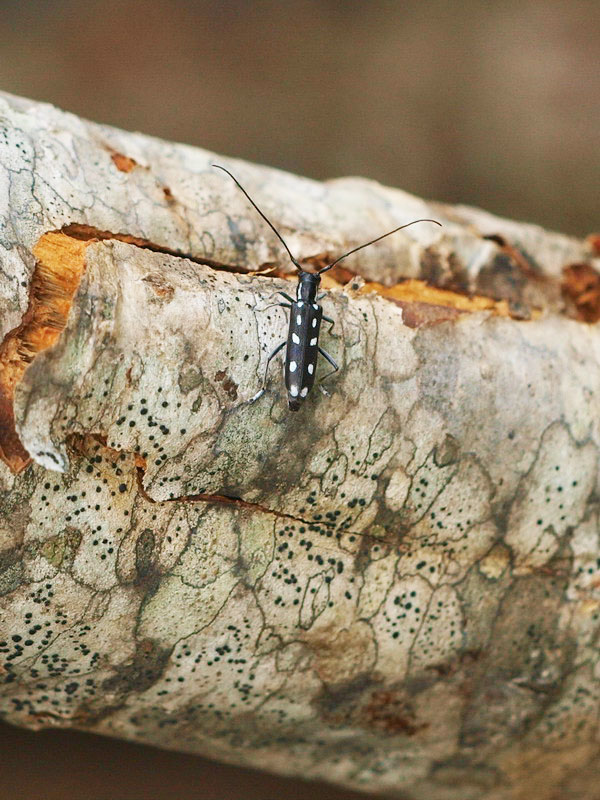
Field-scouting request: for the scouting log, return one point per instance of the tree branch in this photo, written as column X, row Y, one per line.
column 395, row 589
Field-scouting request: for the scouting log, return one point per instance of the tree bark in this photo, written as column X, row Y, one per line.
column 396, row 589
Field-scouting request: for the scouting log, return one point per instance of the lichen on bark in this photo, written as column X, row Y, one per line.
column 395, row 589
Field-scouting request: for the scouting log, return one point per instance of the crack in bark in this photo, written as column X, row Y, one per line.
column 60, row 264
column 238, row 502
column 88, row 233
column 76, row 442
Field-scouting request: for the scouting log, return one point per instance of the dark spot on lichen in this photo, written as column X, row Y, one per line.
column 11, row 570
column 335, row 701
column 391, row 712
column 229, row 385
column 144, row 549
column 60, row 550
column 142, row 672
column 239, row 240
column 447, row 452
column 504, row 279
column 189, row 378
column 364, row 703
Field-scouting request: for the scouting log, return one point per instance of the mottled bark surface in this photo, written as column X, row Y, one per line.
column 396, row 589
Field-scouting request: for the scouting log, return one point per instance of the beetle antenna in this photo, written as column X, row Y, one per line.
column 389, row 233
column 266, row 219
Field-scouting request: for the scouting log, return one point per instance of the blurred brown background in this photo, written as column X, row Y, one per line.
column 490, row 104
column 493, row 104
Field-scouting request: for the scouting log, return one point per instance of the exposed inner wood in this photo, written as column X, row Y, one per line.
column 581, row 288
column 60, row 264
column 415, row 291
column 123, row 163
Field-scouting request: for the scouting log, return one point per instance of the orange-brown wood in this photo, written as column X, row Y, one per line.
column 60, row 264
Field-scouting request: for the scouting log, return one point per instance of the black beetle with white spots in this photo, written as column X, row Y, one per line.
column 306, row 314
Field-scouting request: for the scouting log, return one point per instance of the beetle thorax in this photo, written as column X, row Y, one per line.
column 308, row 284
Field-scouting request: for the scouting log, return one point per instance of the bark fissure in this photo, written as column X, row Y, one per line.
column 77, row 444
column 60, row 263
column 87, row 233
column 238, row 502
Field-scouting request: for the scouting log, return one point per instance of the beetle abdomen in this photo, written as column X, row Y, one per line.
column 302, row 351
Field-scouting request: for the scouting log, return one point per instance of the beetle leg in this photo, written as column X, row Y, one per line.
column 326, row 356
column 331, row 321
column 264, row 386
column 273, row 305
column 287, row 297
column 282, row 305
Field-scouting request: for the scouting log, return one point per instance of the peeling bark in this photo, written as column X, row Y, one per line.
column 396, row 589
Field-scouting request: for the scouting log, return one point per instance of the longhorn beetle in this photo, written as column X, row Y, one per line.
column 305, row 320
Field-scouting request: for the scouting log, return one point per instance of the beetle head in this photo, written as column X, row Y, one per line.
column 308, row 283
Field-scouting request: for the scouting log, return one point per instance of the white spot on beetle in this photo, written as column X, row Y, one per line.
column 311, row 369
column 294, row 390
column 293, row 366
column 300, row 303
column 298, row 319
column 314, row 322
column 304, row 392
column 313, row 342
column 295, row 339
column 315, row 306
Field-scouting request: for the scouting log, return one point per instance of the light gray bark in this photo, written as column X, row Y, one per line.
column 395, row 589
